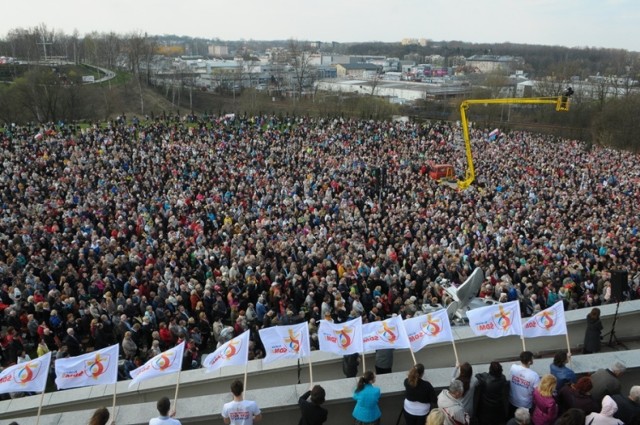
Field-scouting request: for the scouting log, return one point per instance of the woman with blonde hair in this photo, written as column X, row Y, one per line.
column 436, row 417
column 545, row 409
column 419, row 396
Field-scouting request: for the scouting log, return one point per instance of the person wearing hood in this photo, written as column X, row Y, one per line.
column 449, row 401
column 605, row 417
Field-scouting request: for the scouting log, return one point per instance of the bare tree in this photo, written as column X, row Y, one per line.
column 301, row 55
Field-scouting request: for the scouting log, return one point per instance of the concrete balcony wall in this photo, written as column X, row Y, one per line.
column 274, row 385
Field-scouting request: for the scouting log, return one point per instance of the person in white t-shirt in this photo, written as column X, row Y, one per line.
column 166, row 415
column 240, row 411
column 522, row 382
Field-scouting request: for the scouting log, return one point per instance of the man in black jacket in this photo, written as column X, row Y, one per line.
column 628, row 407
column 312, row 411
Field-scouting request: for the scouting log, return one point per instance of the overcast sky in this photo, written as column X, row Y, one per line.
column 572, row 23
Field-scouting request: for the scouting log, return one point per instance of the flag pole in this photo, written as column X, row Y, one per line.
column 364, row 364
column 175, row 397
column 113, row 409
column 413, row 356
column 524, row 348
column 566, row 335
column 310, row 371
column 40, row 407
column 246, row 366
column 455, row 351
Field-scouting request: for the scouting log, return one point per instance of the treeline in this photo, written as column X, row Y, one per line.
column 540, row 60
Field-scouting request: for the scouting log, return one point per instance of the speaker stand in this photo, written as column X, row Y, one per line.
column 613, row 339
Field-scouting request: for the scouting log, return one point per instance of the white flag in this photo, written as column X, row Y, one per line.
column 388, row 333
column 234, row 352
column 30, row 376
column 546, row 323
column 496, row 321
column 96, row 368
column 342, row 339
column 167, row 362
column 285, row 342
column 428, row 329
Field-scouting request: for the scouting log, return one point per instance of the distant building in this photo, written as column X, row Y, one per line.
column 215, row 50
column 414, row 41
column 492, row 63
column 356, row 70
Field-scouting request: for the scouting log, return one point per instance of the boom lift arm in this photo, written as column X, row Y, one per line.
column 561, row 102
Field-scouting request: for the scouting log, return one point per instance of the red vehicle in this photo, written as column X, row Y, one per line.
column 442, row 171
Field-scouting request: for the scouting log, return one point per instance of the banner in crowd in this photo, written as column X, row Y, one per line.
column 285, row 342
column 341, row 338
column 234, row 352
column 30, row 376
column 95, row 368
column 167, row 362
column 548, row 322
column 428, row 329
column 496, row 321
column 388, row 333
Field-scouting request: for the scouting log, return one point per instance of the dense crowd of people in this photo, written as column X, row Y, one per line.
column 151, row 233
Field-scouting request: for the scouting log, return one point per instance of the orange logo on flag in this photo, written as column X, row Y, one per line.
column 545, row 320
column 164, row 361
column 503, row 319
column 431, row 326
column 387, row 333
column 293, row 341
column 343, row 335
column 96, row 367
column 232, row 348
column 27, row 373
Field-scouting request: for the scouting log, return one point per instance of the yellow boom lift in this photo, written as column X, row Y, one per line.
column 561, row 102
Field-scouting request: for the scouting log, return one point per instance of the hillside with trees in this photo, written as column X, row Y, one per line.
column 44, row 82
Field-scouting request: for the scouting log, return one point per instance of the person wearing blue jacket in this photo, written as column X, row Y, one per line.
column 559, row 369
column 366, row 395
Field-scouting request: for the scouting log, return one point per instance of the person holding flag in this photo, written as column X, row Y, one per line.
column 240, row 411
column 523, row 382
column 367, row 396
